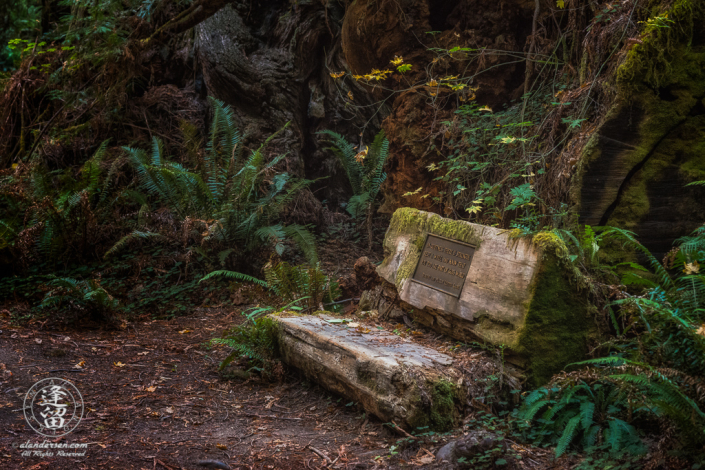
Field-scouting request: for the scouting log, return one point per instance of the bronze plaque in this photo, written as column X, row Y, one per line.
column 444, row 264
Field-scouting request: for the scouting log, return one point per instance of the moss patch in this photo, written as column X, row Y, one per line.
column 557, row 326
column 442, row 415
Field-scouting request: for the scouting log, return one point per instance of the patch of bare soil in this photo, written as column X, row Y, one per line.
column 154, row 400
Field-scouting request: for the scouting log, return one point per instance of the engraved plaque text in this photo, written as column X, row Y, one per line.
column 444, row 264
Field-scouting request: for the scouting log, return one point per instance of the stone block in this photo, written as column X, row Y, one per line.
column 515, row 293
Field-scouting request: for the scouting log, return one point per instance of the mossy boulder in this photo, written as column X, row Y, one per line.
column 651, row 143
column 519, row 293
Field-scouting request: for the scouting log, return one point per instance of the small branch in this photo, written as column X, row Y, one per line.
column 198, row 12
column 43, row 131
column 320, row 454
column 401, row 431
column 271, row 417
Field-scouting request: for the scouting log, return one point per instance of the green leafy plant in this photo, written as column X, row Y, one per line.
column 364, row 171
column 88, row 297
column 60, row 214
column 256, row 340
column 290, row 283
column 587, row 415
column 228, row 201
column 297, row 282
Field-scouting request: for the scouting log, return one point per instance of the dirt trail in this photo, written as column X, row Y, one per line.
column 153, row 399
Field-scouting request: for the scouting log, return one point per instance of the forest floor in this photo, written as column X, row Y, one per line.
column 154, row 399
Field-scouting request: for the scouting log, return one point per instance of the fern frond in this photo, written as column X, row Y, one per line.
column 124, row 241
column 567, row 436
column 234, row 275
column 304, row 239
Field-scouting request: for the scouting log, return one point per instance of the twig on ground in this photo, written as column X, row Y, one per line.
column 320, row 454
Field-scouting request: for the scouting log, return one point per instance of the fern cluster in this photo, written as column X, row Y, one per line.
column 588, row 416
column 256, row 340
column 301, row 282
column 230, row 204
column 655, row 364
column 364, row 170
column 59, row 215
column 88, row 297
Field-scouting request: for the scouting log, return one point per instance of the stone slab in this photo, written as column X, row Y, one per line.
column 521, row 294
column 393, row 378
column 497, row 285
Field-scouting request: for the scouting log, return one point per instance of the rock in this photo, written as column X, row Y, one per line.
column 634, row 168
column 514, row 293
column 476, row 442
column 371, row 314
column 393, row 378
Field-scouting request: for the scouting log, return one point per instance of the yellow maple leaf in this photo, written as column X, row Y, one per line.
column 118, row 364
column 337, row 75
column 182, row 332
column 560, row 4
column 397, row 60
column 432, row 83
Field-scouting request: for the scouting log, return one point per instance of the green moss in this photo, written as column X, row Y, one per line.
column 442, row 416
column 651, row 62
column 408, row 219
column 550, row 242
column 557, row 325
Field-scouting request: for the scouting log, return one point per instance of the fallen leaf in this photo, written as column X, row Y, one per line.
column 80, row 365
column 118, row 364
column 37, row 340
column 151, row 389
column 143, row 353
column 353, row 325
column 222, row 446
column 184, row 332
column 170, row 410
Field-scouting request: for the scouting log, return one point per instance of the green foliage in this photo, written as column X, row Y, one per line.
column 290, row 283
column 490, row 170
column 57, row 216
column 234, row 275
column 364, row 169
column 296, row 282
column 656, row 362
column 256, row 340
column 85, row 296
column 18, row 20
column 589, row 416
column 236, row 200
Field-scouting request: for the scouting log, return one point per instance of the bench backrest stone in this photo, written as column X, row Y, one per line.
column 515, row 293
